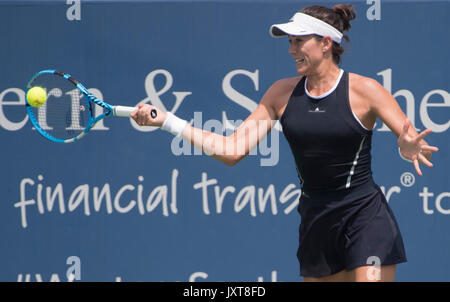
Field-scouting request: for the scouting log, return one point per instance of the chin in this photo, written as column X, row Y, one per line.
column 302, row 71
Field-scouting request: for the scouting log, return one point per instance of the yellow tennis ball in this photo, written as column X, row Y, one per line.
column 36, row 96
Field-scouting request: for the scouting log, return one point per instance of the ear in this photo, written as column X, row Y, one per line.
column 327, row 43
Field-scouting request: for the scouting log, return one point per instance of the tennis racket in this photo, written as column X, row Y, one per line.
column 70, row 110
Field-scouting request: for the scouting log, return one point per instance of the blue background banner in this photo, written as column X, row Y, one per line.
column 133, row 204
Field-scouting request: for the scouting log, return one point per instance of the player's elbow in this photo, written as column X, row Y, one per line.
column 232, row 160
column 235, row 151
column 229, row 163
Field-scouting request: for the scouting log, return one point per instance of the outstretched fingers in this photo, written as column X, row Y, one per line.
column 425, row 160
column 417, row 166
column 429, row 148
column 423, row 134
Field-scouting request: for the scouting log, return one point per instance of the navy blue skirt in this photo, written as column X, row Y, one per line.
column 346, row 229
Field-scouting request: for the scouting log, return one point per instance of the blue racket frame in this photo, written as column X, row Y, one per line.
column 91, row 99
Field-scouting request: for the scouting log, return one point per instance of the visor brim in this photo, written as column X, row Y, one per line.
column 281, row 30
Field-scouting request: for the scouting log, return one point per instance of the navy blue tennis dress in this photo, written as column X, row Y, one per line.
column 345, row 218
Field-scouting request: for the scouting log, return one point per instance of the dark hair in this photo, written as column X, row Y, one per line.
column 339, row 17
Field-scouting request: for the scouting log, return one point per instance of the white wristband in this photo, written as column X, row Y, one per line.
column 404, row 158
column 173, row 124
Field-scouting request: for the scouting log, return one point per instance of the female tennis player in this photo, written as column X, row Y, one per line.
column 348, row 231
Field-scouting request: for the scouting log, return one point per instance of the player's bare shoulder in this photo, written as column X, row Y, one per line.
column 364, row 87
column 286, row 84
column 277, row 96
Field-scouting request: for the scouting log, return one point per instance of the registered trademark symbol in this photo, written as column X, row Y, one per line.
column 407, row 179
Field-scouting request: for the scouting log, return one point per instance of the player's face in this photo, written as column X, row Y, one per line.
column 306, row 51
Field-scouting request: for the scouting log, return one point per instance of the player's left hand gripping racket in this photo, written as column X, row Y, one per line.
column 70, row 110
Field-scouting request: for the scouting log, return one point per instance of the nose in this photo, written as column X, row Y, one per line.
column 292, row 49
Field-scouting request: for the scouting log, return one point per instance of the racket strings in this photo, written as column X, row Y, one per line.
column 66, row 113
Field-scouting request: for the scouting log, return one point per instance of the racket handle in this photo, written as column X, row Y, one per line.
column 123, row 111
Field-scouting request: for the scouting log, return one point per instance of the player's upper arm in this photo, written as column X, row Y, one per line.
column 274, row 97
column 260, row 122
column 381, row 102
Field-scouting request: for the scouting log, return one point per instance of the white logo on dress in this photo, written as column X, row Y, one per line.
column 317, row 110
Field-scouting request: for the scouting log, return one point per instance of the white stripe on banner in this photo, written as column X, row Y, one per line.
column 355, row 162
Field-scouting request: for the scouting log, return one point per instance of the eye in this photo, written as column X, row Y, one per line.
column 296, row 40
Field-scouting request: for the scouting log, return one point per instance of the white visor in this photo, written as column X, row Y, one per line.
column 302, row 24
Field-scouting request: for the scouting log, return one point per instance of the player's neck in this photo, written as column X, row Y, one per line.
column 323, row 79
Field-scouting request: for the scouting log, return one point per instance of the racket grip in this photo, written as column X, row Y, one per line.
column 123, row 111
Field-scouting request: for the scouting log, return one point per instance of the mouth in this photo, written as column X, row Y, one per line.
column 299, row 61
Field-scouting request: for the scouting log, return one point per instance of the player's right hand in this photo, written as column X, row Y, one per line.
column 142, row 116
